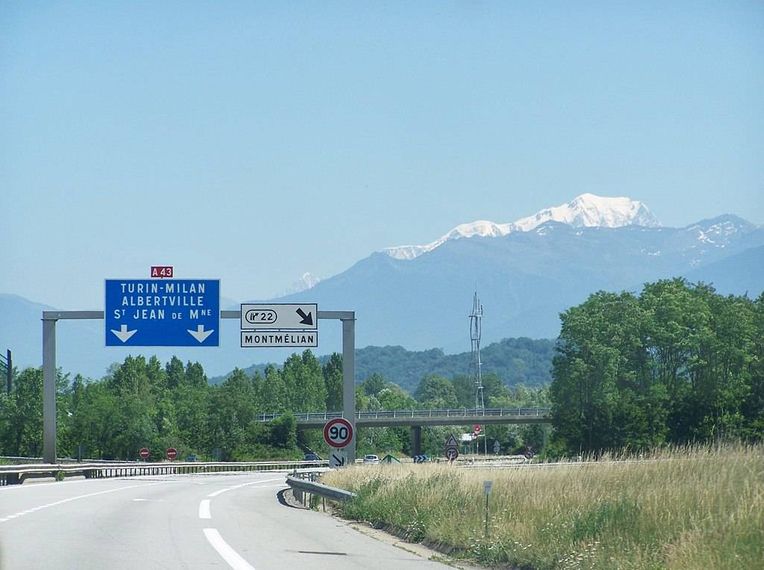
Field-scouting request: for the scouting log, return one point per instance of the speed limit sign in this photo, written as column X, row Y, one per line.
column 338, row 432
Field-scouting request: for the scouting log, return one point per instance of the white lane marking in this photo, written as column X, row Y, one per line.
column 228, row 554
column 36, row 485
column 70, row 499
column 204, row 509
column 221, row 491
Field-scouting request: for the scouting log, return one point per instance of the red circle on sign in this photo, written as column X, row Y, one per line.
column 338, row 432
column 144, row 453
column 172, row 453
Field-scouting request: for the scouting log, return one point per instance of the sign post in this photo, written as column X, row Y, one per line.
column 338, row 433
column 452, row 448
column 338, row 458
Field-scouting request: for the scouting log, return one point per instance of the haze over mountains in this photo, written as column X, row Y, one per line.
column 419, row 296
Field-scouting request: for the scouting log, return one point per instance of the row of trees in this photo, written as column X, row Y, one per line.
column 142, row 403
column 677, row 363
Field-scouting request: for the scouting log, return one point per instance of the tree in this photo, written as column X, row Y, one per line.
column 232, row 411
column 679, row 363
column 394, row 397
column 334, row 381
column 600, row 377
column 374, row 384
column 191, row 403
column 304, row 380
column 271, row 391
column 436, row 392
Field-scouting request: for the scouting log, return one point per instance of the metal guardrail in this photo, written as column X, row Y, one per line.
column 404, row 414
column 17, row 474
column 313, row 488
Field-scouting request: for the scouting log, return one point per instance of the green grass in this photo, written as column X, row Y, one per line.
column 683, row 509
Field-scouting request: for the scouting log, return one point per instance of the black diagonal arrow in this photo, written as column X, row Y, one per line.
column 307, row 319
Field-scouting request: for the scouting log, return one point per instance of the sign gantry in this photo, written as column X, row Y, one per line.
column 50, row 318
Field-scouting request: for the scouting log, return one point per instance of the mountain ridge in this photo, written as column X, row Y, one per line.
column 586, row 210
column 524, row 279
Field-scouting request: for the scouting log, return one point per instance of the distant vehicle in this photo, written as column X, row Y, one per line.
column 311, row 457
column 370, row 458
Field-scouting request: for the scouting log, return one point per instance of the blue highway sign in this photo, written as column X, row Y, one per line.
column 166, row 312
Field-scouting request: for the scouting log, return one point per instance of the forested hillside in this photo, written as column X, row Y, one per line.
column 517, row 361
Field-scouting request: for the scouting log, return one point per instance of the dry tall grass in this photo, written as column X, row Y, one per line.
column 679, row 509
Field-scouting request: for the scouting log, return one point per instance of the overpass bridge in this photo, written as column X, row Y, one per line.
column 415, row 419
column 450, row 417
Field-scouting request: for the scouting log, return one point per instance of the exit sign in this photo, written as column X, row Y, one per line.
column 161, row 271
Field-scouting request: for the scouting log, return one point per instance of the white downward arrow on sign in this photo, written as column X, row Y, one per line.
column 200, row 334
column 123, row 334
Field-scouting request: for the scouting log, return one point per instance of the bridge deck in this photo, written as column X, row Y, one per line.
column 461, row 416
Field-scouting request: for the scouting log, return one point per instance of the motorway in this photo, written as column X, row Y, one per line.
column 232, row 520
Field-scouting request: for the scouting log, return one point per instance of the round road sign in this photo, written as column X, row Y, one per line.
column 144, row 453
column 338, row 432
column 452, row 453
column 172, row 453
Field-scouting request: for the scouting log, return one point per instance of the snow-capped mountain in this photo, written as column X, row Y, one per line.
column 306, row 281
column 526, row 276
column 586, row 210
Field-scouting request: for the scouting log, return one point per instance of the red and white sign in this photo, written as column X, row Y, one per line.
column 172, row 453
column 161, row 271
column 144, row 453
column 338, row 433
column 476, row 428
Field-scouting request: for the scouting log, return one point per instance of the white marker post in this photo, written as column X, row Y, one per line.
column 487, row 486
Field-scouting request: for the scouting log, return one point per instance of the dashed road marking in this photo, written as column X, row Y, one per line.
column 69, row 500
column 204, row 509
column 228, row 554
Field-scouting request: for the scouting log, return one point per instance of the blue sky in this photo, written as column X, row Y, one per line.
column 254, row 141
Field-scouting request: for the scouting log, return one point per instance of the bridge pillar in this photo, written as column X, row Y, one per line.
column 416, row 440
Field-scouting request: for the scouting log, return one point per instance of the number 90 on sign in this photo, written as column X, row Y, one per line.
column 338, row 432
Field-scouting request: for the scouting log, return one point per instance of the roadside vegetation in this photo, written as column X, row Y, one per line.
column 142, row 403
column 676, row 364
column 689, row 508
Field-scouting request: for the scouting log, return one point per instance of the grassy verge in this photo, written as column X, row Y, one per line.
column 681, row 509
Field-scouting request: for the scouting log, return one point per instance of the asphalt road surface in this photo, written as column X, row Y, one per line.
column 190, row 521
